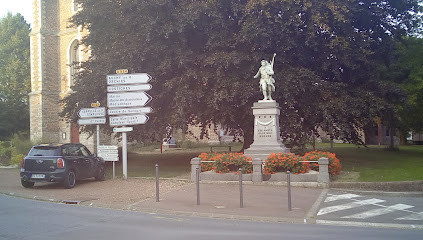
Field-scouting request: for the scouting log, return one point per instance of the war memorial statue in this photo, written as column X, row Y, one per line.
column 267, row 81
column 266, row 113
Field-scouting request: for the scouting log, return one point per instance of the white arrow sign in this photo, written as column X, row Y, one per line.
column 129, row 88
column 129, row 99
column 92, row 112
column 101, row 154
column 91, row 121
column 110, row 159
column 128, row 120
column 124, row 111
column 114, row 151
column 135, row 78
column 102, row 147
column 123, row 129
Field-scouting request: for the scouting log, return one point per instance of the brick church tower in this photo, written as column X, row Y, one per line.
column 54, row 51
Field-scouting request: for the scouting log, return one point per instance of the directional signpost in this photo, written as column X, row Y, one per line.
column 126, row 101
column 109, row 153
column 129, row 88
column 93, row 116
column 91, row 121
column 92, row 112
column 123, row 79
column 123, row 129
column 128, row 120
column 126, row 111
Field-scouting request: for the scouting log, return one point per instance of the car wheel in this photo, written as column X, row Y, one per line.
column 100, row 176
column 70, row 179
column 27, row 184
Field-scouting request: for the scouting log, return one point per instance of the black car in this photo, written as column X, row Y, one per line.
column 65, row 163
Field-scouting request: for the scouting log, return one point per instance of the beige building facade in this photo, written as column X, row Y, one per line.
column 54, row 51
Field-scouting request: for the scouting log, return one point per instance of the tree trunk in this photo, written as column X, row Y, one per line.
column 391, row 135
column 248, row 139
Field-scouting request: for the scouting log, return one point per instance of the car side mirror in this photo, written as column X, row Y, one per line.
column 94, row 155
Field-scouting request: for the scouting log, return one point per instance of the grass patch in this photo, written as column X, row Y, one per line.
column 371, row 164
column 172, row 163
column 376, row 164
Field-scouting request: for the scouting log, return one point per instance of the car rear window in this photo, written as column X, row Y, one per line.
column 45, row 151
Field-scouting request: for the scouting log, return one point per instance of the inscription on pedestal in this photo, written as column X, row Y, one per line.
column 265, row 129
column 265, row 133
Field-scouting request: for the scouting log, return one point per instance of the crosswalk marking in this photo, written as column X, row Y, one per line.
column 414, row 216
column 380, row 211
column 340, row 197
column 331, row 209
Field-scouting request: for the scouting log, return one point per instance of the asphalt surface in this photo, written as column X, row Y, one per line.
column 29, row 219
column 260, row 202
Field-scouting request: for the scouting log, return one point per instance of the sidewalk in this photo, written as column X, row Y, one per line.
column 261, row 202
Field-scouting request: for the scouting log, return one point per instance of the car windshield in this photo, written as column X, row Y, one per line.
column 44, row 151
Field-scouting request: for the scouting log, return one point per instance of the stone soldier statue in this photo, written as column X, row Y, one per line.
column 266, row 81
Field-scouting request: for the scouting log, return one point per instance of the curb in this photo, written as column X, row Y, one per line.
column 153, row 211
column 310, row 216
column 369, row 224
column 402, row 186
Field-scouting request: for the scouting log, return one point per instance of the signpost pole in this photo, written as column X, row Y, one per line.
column 114, row 170
column 124, row 156
column 98, row 138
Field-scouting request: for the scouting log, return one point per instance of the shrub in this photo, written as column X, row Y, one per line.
column 21, row 144
column 282, row 162
column 5, row 152
column 334, row 163
column 16, row 159
column 226, row 162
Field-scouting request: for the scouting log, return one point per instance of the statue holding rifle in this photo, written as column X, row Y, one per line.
column 266, row 72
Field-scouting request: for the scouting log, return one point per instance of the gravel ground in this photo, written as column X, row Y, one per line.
column 116, row 193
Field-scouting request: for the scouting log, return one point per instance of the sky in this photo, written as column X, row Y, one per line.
column 23, row 7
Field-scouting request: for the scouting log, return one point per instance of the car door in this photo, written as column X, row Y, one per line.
column 89, row 161
column 75, row 156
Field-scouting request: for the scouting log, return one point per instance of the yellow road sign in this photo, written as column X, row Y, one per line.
column 122, row 71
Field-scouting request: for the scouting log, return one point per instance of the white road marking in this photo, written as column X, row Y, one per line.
column 331, row 209
column 340, row 197
column 414, row 216
column 380, row 211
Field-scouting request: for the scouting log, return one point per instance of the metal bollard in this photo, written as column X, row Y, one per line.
column 241, row 199
column 288, row 180
column 157, row 183
column 197, row 174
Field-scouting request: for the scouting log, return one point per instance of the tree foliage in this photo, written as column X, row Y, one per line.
column 203, row 56
column 406, row 71
column 14, row 75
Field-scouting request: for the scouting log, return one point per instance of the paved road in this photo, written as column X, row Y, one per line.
column 28, row 219
column 364, row 208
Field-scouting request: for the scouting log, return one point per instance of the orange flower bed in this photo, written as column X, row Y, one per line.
column 282, row 162
column 334, row 163
column 226, row 162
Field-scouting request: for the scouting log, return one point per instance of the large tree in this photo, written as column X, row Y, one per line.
column 14, row 75
column 406, row 72
column 203, row 56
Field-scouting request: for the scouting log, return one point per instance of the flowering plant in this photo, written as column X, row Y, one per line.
column 282, row 162
column 226, row 162
column 334, row 163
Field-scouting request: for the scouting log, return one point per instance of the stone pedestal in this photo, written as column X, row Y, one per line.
column 266, row 131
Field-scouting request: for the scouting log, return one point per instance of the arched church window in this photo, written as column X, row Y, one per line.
column 73, row 61
column 75, row 6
